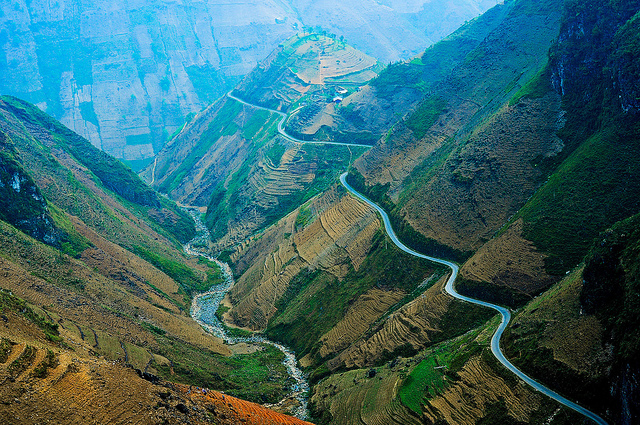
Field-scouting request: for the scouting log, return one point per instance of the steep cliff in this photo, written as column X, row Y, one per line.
column 126, row 74
column 610, row 292
column 21, row 202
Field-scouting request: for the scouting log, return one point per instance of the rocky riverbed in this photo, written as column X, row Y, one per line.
column 205, row 306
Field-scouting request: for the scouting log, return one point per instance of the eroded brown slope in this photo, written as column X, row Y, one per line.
column 511, row 261
column 486, row 181
column 44, row 383
column 330, row 242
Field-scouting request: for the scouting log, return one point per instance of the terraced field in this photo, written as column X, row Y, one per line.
column 330, row 242
column 320, row 60
column 413, row 325
column 41, row 383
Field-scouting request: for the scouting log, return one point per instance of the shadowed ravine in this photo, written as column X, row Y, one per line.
column 450, row 289
column 205, row 306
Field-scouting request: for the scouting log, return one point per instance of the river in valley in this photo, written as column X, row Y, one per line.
column 205, row 306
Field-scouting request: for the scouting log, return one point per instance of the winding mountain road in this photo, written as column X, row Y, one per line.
column 505, row 313
column 284, row 134
column 449, row 287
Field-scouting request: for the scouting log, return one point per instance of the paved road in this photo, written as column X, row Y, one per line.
column 284, row 133
column 506, row 315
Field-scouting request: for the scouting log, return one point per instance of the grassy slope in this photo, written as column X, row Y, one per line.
column 592, row 184
column 598, row 301
column 127, row 308
column 109, row 172
column 596, row 182
column 465, row 97
column 315, row 301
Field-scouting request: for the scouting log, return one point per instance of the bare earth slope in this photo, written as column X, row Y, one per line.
column 44, row 383
column 114, row 285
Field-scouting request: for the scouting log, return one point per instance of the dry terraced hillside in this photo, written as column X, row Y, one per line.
column 495, row 165
column 106, row 299
column 43, row 381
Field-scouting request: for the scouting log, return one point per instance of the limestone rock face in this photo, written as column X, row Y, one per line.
column 125, row 74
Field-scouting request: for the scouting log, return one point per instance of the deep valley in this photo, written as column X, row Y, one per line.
column 306, row 232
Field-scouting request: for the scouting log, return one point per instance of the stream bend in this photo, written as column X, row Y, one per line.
column 449, row 288
column 205, row 305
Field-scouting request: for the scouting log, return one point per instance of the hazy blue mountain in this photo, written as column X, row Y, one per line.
column 126, row 74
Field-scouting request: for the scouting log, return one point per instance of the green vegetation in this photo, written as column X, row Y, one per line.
column 214, row 273
column 21, row 364
column 259, row 377
column 220, row 125
column 395, row 76
column 208, row 82
column 113, row 174
column 425, row 380
column 438, row 370
column 189, row 281
column 9, row 302
column 177, row 223
column 459, row 318
column 305, row 214
column 21, row 202
column 275, row 152
column 486, row 291
column 167, row 219
column 497, row 414
column 228, row 202
column 220, row 312
column 256, row 122
column 427, row 113
column 593, row 180
column 536, row 88
column 326, row 133
column 439, row 59
column 72, row 243
column 524, row 347
column 5, row 349
column 564, row 217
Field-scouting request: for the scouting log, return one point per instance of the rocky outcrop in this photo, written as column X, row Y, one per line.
column 610, row 293
column 21, row 202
